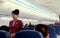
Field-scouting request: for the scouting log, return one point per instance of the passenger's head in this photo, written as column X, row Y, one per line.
column 5, row 28
column 31, row 26
column 26, row 25
column 43, row 29
column 15, row 14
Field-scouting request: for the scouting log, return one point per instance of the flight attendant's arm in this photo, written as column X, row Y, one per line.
column 12, row 35
column 20, row 24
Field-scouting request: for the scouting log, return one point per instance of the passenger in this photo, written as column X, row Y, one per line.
column 25, row 25
column 5, row 28
column 43, row 29
column 16, row 24
column 31, row 26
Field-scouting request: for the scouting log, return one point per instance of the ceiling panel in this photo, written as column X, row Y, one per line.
column 52, row 5
column 8, row 6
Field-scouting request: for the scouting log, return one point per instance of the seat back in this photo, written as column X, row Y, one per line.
column 28, row 34
column 4, row 34
column 52, row 32
column 57, row 29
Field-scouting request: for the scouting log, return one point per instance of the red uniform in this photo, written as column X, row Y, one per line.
column 15, row 26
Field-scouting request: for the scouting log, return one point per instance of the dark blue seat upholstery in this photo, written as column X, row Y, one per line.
column 28, row 34
column 52, row 32
column 4, row 34
column 57, row 29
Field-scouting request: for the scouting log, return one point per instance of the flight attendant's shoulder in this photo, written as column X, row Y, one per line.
column 19, row 20
column 20, row 23
column 11, row 21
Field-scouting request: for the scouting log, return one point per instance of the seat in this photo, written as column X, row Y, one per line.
column 4, row 34
column 52, row 32
column 57, row 29
column 28, row 34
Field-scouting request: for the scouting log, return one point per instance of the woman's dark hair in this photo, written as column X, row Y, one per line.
column 42, row 28
column 16, row 12
column 5, row 28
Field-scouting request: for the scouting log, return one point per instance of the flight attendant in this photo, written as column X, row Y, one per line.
column 15, row 24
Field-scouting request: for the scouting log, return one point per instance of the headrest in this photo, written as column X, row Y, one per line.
column 4, row 34
column 28, row 34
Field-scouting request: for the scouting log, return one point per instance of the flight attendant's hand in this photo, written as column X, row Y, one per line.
column 13, row 35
